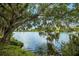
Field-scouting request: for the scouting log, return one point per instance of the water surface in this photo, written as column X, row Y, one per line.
column 32, row 40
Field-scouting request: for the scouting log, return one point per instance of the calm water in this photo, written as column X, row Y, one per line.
column 32, row 40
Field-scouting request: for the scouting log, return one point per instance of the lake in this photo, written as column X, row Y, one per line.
column 32, row 40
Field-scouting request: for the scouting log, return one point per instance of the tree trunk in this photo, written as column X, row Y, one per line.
column 50, row 50
column 6, row 35
column 3, row 40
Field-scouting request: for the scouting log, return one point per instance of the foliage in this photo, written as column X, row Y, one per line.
column 49, row 17
column 13, row 41
column 43, row 17
column 72, row 48
column 41, row 50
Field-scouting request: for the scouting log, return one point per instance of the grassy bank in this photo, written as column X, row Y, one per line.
column 14, row 48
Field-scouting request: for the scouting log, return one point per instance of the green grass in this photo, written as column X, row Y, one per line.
column 13, row 49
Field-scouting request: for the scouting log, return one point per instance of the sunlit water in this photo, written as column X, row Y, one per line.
column 32, row 40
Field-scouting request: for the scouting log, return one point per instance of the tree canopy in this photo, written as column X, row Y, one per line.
column 37, row 17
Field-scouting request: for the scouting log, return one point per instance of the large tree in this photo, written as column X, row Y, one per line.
column 45, row 18
column 14, row 15
column 36, row 17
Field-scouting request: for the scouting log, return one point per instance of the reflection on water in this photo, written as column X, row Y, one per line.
column 32, row 40
column 63, row 38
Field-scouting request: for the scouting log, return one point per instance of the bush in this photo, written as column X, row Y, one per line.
column 15, row 42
